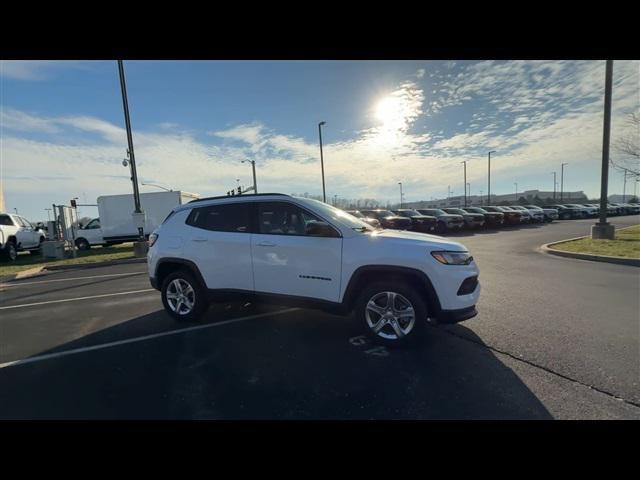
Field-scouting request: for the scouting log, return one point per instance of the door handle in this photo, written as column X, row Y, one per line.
column 199, row 239
column 266, row 244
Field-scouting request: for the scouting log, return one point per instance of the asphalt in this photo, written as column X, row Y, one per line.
column 555, row 338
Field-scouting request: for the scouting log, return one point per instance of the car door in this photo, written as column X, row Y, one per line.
column 219, row 242
column 288, row 261
column 23, row 235
column 34, row 235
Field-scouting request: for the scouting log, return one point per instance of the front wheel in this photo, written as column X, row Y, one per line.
column 10, row 252
column 183, row 297
column 393, row 313
column 441, row 228
column 82, row 244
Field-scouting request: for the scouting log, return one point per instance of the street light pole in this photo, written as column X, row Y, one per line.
column 132, row 158
column 624, row 187
column 253, row 169
column 602, row 229
column 489, row 179
column 324, row 195
column 468, row 189
column 562, row 180
column 464, row 162
column 554, row 186
column 154, row 185
column 48, row 215
column 400, row 183
column 516, row 184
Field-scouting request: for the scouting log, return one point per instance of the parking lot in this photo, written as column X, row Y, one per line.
column 554, row 338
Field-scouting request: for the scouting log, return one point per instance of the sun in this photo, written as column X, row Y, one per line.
column 390, row 112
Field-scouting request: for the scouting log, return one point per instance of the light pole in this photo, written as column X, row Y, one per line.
column 489, row 179
column 154, row 185
column 48, row 215
column 335, row 200
column 516, row 184
column 15, row 210
column 562, row 180
column 467, row 189
column 132, row 158
column 400, row 183
column 480, row 197
column 602, row 229
column 554, row 186
column 624, row 187
column 253, row 169
column 464, row 162
column 324, row 195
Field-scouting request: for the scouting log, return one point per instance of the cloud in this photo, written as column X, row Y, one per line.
column 420, row 73
column 37, row 70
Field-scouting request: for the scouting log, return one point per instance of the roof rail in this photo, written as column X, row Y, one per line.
column 236, row 196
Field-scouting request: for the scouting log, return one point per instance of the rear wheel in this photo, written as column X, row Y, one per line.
column 183, row 297
column 393, row 313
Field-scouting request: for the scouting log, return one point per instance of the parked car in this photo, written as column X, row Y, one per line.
column 299, row 251
column 471, row 220
column 593, row 205
column 419, row 222
column 536, row 216
column 566, row 213
column 511, row 217
column 588, row 210
column 388, row 219
column 446, row 221
column 491, row 219
column 374, row 222
column 626, row 208
column 17, row 234
column 548, row 214
column 525, row 215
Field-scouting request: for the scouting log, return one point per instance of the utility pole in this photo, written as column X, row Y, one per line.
column 468, row 189
column 132, row 158
column 489, row 179
column 324, row 195
column 464, row 162
column 554, row 186
column 624, row 187
column 562, row 180
column 516, row 184
column 602, row 229
column 400, row 183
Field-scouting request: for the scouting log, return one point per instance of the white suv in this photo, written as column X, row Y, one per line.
column 18, row 234
column 302, row 252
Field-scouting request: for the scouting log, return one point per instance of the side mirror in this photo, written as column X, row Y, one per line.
column 320, row 229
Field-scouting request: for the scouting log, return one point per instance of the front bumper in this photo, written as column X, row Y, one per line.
column 455, row 316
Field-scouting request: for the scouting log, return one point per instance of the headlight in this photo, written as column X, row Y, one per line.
column 152, row 239
column 453, row 258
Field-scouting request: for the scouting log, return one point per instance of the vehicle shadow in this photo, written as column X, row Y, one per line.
column 297, row 365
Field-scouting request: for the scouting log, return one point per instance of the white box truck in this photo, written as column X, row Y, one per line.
column 116, row 224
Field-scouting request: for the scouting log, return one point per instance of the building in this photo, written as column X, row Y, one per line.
column 477, row 200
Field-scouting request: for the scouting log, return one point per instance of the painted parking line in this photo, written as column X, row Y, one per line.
column 24, row 305
column 70, row 279
column 75, row 351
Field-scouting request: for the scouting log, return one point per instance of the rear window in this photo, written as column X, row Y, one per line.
column 5, row 220
column 232, row 217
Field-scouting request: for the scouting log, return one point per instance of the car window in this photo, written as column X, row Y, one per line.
column 18, row 221
column 93, row 224
column 283, row 218
column 5, row 220
column 231, row 217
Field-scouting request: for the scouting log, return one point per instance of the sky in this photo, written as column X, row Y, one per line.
column 62, row 127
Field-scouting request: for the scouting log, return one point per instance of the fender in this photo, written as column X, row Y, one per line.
column 187, row 263
column 351, row 292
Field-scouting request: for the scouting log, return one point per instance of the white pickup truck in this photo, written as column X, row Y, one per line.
column 18, row 234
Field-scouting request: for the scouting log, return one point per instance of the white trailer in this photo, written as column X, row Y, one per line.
column 116, row 223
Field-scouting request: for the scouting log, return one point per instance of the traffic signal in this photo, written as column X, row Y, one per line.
column 73, row 203
column 239, row 191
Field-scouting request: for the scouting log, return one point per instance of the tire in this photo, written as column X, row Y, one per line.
column 377, row 295
column 194, row 299
column 441, row 228
column 10, row 253
column 82, row 244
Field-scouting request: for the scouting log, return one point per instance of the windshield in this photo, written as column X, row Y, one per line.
column 476, row 210
column 409, row 213
column 456, row 211
column 434, row 211
column 333, row 213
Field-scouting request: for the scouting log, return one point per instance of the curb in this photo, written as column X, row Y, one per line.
column 546, row 248
column 41, row 271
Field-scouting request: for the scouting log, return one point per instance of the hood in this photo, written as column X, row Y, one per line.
column 452, row 216
column 415, row 237
column 423, row 217
column 474, row 215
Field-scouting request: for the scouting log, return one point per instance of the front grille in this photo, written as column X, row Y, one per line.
column 468, row 286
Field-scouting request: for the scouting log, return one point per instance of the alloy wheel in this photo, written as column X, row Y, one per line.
column 180, row 296
column 390, row 315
